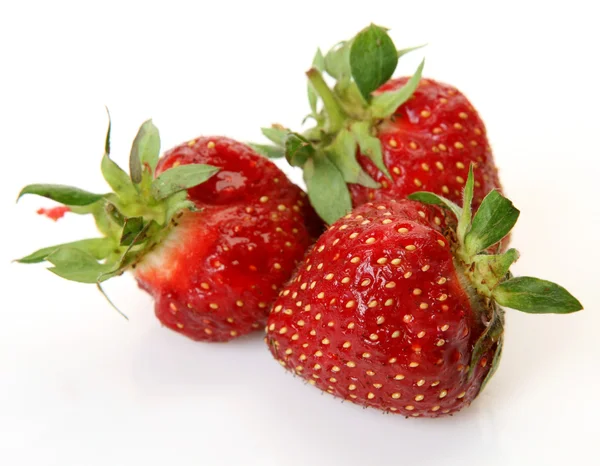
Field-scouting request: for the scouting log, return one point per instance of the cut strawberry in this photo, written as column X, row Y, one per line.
column 212, row 231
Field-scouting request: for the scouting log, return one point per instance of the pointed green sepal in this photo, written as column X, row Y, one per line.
column 492, row 269
column 386, row 104
column 77, row 265
column 103, row 293
column 319, row 64
column 67, row 195
column 298, row 149
column 113, row 214
column 99, row 248
column 535, row 296
column 326, row 188
column 342, row 152
column 176, row 203
column 117, row 178
column 144, row 151
column 464, row 221
column 276, row 134
column 493, row 221
column 131, row 229
column 334, row 113
column 373, row 59
column 351, row 100
column 403, row 52
column 268, row 150
column 433, row 199
column 370, row 146
column 493, row 333
column 181, row 178
column 108, row 130
column 495, row 364
column 337, row 61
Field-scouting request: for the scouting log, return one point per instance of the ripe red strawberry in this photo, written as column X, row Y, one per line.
column 397, row 307
column 213, row 257
column 428, row 144
column 383, row 139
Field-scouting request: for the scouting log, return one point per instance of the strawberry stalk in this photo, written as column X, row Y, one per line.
column 334, row 113
column 347, row 121
column 135, row 216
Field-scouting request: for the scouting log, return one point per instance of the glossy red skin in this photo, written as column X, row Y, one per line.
column 215, row 275
column 426, row 296
column 414, row 145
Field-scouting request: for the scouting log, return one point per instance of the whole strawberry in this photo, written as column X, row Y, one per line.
column 397, row 305
column 211, row 231
column 376, row 139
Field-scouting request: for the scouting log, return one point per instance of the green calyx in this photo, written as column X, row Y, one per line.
column 346, row 117
column 135, row 216
column 489, row 275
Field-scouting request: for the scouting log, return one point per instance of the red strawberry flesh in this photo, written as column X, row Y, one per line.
column 217, row 272
column 428, row 145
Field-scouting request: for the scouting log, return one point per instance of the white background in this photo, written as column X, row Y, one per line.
column 79, row 385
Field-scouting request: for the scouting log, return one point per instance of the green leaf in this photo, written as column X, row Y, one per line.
column 131, row 228
column 131, row 256
column 276, row 134
column 464, row 221
column 493, row 333
column 144, row 150
column 349, row 97
column 67, row 195
column 76, row 265
column 370, row 146
column 180, row 178
column 101, row 290
column 493, row 220
column 373, row 59
column 327, row 190
column 342, row 152
column 493, row 268
column 403, row 52
column 117, row 178
column 319, row 60
column 319, row 64
column 433, row 199
column 97, row 247
column 331, row 107
column 495, row 364
column 298, row 150
column 176, row 203
column 535, row 296
column 337, row 61
column 269, row 151
column 386, row 104
column 107, row 139
column 113, row 213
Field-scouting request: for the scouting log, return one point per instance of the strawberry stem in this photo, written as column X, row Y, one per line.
column 335, row 114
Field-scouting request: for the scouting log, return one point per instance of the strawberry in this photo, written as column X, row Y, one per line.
column 379, row 139
column 212, row 230
column 428, row 143
column 397, row 307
